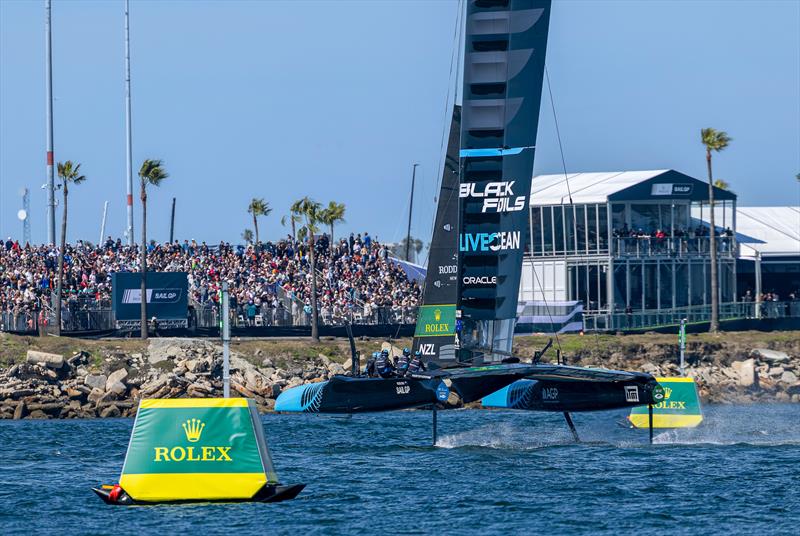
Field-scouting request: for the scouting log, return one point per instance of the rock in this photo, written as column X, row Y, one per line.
column 789, row 378
column 348, row 365
column 95, row 381
column 324, row 359
column 110, row 411
column 747, row 373
column 118, row 388
column 775, row 372
column 38, row 414
column 115, row 377
column 20, row 411
column 772, row 356
column 95, row 395
column 74, row 394
column 53, row 361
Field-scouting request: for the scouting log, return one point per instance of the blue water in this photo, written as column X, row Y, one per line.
column 491, row 472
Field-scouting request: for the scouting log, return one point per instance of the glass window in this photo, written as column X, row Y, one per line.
column 635, row 298
column 666, row 285
column 591, row 217
column 580, row 227
column 536, row 229
column 547, row 229
column 558, row 228
column 617, row 216
column 570, row 225
column 681, row 285
column 603, row 230
column 644, row 218
column 651, row 286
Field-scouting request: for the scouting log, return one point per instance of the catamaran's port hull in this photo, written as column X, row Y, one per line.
column 345, row 394
column 573, row 395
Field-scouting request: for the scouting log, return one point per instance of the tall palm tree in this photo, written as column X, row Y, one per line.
column 310, row 210
column 333, row 213
column 258, row 207
column 714, row 141
column 151, row 174
column 68, row 173
column 292, row 219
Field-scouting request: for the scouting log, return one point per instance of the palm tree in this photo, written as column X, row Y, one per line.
column 716, row 141
column 310, row 210
column 151, row 173
column 334, row 213
column 292, row 219
column 258, row 207
column 722, row 184
column 68, row 173
column 247, row 236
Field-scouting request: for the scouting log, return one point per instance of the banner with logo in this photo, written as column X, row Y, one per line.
column 196, row 449
column 679, row 409
column 167, row 298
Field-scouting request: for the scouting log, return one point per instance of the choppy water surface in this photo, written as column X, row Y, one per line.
column 491, row 472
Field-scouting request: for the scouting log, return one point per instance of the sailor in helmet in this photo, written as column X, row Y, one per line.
column 416, row 364
column 369, row 370
column 403, row 362
column 383, row 365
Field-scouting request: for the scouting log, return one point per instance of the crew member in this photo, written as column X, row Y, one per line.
column 403, row 362
column 369, row 370
column 383, row 365
column 416, row 364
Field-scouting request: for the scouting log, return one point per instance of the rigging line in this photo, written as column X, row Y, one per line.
column 447, row 117
column 558, row 133
column 566, row 182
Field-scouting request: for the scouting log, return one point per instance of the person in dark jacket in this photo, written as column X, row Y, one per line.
column 383, row 365
column 403, row 363
column 416, row 364
column 369, row 370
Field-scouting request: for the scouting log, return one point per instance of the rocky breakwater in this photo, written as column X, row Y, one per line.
column 47, row 385
column 724, row 373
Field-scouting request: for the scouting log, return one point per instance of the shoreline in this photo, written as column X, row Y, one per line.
column 52, row 378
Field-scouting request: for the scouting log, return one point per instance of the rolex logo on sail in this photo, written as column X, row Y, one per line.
column 193, row 431
column 435, row 320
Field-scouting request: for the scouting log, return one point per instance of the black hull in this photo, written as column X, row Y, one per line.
column 267, row 494
column 573, row 389
column 347, row 394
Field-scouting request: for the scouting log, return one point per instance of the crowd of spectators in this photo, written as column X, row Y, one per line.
column 701, row 231
column 355, row 276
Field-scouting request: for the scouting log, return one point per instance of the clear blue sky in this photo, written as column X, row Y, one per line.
column 336, row 99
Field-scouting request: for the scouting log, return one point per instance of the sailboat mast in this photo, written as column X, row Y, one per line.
column 410, row 211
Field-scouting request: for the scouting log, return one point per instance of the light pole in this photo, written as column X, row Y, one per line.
column 51, row 193
column 410, row 209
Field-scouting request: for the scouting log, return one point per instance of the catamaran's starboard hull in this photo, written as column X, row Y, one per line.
column 345, row 394
column 574, row 395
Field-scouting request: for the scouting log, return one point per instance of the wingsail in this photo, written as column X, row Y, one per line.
column 506, row 42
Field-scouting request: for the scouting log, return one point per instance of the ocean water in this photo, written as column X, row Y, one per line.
column 491, row 472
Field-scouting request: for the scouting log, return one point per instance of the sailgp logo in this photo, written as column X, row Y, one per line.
column 154, row 295
column 500, row 241
column 631, row 393
column 497, row 196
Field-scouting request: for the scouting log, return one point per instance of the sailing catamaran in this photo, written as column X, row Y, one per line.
column 465, row 325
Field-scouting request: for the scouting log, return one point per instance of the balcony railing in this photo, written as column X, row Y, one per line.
column 648, row 246
column 700, row 313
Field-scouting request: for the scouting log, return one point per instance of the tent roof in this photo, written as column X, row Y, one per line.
column 771, row 231
column 613, row 185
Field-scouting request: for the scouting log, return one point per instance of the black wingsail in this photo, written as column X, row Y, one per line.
column 436, row 321
column 504, row 62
